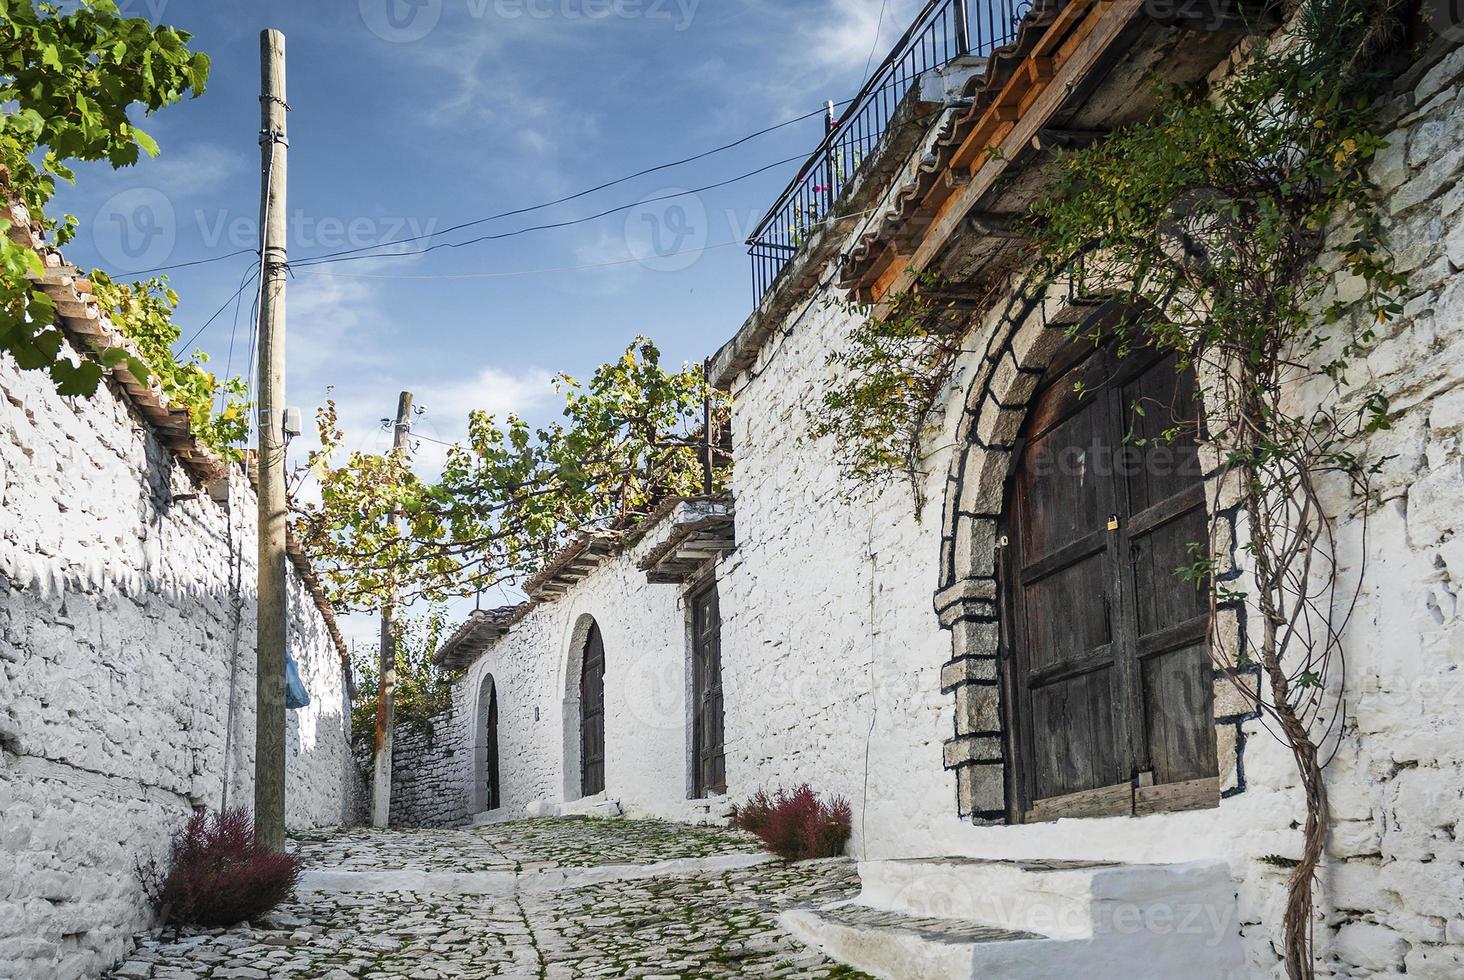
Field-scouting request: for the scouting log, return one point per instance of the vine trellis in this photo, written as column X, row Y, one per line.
column 1239, row 229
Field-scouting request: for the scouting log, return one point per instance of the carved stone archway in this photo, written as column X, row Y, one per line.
column 1021, row 344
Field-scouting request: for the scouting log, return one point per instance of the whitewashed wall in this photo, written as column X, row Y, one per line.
column 127, row 689
column 534, row 670
column 832, row 652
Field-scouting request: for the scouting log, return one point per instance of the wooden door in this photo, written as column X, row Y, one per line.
column 1107, row 663
column 490, row 756
column 710, row 775
column 592, row 714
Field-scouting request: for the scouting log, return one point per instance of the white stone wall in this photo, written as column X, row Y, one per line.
column 535, row 670
column 832, row 651
column 127, row 688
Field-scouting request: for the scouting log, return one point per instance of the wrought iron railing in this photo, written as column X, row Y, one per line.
column 944, row 31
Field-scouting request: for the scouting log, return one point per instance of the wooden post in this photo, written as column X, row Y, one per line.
column 387, row 682
column 269, row 741
column 709, row 470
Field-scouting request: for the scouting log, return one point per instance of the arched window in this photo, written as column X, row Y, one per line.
column 1106, row 664
column 486, row 791
column 592, row 713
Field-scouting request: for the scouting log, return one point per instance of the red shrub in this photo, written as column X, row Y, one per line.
column 219, row 873
column 797, row 826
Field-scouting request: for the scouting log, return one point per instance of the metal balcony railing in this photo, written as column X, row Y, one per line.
column 944, row 30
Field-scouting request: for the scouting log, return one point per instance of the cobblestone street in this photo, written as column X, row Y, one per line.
column 544, row 899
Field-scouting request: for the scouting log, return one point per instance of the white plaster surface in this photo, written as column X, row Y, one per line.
column 127, row 673
column 832, row 653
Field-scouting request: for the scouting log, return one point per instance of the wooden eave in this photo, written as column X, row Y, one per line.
column 571, row 564
column 89, row 330
column 476, row 634
column 1077, row 70
column 703, row 529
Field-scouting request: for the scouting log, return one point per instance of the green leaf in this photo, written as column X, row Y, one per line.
column 148, row 144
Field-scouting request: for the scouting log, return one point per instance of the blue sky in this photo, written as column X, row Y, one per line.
column 409, row 116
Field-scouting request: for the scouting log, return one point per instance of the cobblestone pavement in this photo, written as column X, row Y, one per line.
column 699, row 923
column 568, row 843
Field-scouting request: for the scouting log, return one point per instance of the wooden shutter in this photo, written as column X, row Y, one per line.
column 710, row 768
column 1106, row 663
column 592, row 714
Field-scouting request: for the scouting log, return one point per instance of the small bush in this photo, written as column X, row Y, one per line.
column 219, row 873
column 797, row 826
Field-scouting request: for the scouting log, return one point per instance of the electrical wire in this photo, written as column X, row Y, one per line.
column 188, row 265
column 199, row 332
column 579, row 194
column 569, row 222
column 873, row 47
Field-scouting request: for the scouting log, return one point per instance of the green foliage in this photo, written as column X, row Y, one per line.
column 422, row 693
column 511, row 495
column 892, row 375
column 68, row 81
column 218, row 409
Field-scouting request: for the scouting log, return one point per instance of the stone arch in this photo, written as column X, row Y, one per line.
column 573, row 666
column 487, row 775
column 1026, row 335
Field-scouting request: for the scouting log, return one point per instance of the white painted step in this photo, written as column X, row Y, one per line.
column 1062, row 899
column 964, row 918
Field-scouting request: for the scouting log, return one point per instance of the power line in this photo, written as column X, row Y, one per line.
column 579, row 194
column 186, row 265
column 515, row 273
column 199, row 332
column 878, row 26
column 321, row 260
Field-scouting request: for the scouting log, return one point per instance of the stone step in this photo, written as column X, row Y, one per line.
column 932, row 919
column 896, row 946
column 1061, row 899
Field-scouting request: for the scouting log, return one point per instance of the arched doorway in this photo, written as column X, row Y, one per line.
column 592, row 713
column 1106, row 668
column 487, row 794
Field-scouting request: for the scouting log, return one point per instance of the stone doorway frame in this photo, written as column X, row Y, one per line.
column 1021, row 341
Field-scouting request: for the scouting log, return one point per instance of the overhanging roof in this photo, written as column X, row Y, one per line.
column 700, row 529
column 477, row 633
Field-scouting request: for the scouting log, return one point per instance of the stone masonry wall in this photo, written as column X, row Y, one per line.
column 127, row 673
column 832, row 650
column 431, row 771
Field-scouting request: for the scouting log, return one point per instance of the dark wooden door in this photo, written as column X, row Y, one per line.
column 492, row 796
column 1107, row 658
column 592, row 714
column 711, row 767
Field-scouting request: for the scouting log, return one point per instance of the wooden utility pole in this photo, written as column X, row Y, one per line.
column 269, row 739
column 387, row 682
